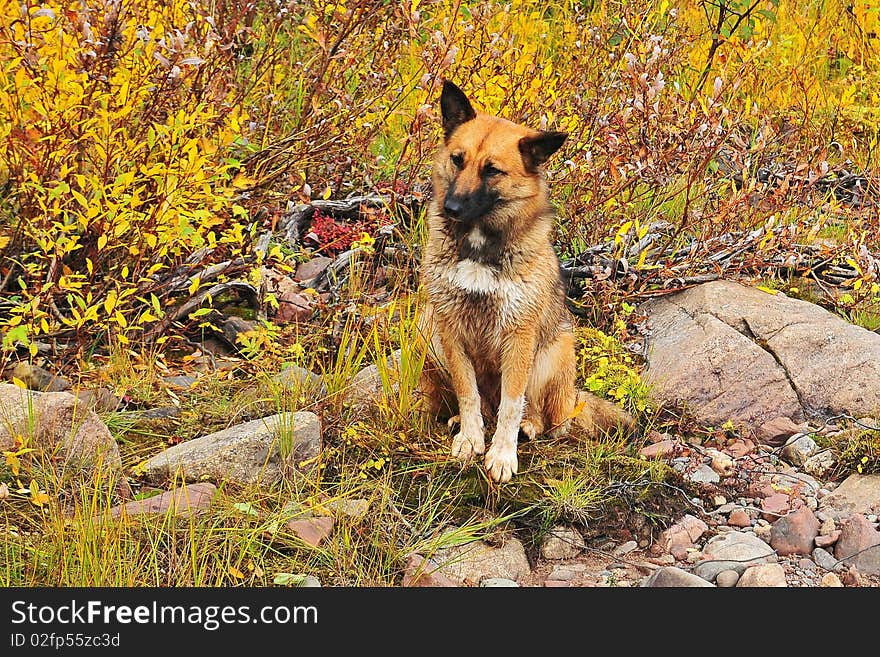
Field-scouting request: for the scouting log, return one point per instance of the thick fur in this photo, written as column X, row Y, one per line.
column 500, row 336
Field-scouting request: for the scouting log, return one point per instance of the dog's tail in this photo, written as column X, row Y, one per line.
column 598, row 416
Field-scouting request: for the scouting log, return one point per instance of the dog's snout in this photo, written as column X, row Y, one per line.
column 453, row 206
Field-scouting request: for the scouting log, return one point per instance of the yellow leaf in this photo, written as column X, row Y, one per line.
column 194, row 286
column 102, row 242
column 327, row 193
column 19, row 383
column 768, row 290
column 235, row 572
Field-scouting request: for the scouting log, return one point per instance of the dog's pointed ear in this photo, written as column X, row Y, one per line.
column 537, row 149
column 455, row 108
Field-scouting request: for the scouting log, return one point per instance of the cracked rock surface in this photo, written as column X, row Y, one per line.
column 730, row 352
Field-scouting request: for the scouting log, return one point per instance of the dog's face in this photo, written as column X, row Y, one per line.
column 488, row 168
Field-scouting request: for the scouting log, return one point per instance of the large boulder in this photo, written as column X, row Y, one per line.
column 59, row 426
column 261, row 451
column 731, row 352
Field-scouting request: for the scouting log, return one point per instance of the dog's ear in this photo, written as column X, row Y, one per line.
column 455, row 108
column 536, row 149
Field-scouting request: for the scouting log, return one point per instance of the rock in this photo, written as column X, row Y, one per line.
column 306, row 271
column 740, row 448
column 798, row 450
column 244, row 454
column 472, row 563
column 556, row 584
column 826, row 561
column 159, row 413
column 180, row 381
column 859, row 545
column 795, row 482
column 763, row 530
column 739, row 518
column 828, row 525
column 562, row 573
column 775, row 506
column 778, row 430
column 678, row 538
column 625, row 549
column 562, row 543
column 57, row 421
column 824, row 541
column 763, row 575
column 4, row 491
column 39, row 379
column 730, row 352
column 831, row 580
column 732, row 551
column 795, row 533
column 857, row 494
column 293, row 307
column 301, row 380
column 181, row 501
column 663, row 449
column 312, row 530
column 851, row 577
column 719, row 501
column 726, row 579
column 365, row 389
column 820, row 464
column 310, row 582
column 721, row 462
column 424, row 572
column 100, row 400
column 351, row 508
column 703, row 474
column 497, row 582
column 670, row 576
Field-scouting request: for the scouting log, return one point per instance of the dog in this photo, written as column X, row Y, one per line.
column 499, row 337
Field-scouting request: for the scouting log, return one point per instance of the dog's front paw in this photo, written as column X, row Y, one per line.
column 501, row 461
column 467, row 446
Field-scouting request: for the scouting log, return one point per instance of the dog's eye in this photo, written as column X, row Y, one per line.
column 457, row 160
column 490, row 170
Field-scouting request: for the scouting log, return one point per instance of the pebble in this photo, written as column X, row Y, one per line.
column 831, row 580
column 704, row 474
column 826, row 561
column 625, row 549
column 498, row 582
column 727, row 579
column 310, row 582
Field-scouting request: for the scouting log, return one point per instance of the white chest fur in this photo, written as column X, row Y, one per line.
column 477, row 278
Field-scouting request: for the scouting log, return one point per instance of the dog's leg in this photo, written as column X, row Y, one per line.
column 553, row 382
column 469, row 441
column 516, row 361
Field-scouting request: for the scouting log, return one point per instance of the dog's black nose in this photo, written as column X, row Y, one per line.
column 452, row 207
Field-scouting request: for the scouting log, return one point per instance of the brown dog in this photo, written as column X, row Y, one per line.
column 500, row 335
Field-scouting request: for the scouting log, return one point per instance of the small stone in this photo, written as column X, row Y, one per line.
column 498, row 582
column 424, row 573
column 703, row 474
column 665, row 560
column 820, row 463
column 312, row 530
column 4, row 491
column 310, row 582
column 795, row 533
column 732, row 551
column 824, row 541
column 807, row 565
column 826, row 561
column 553, row 583
column 159, row 413
column 293, row 307
column 351, row 508
column 739, row 518
column 181, row 381
column 763, row 575
column 719, row 501
column 721, row 462
column 727, row 579
column 740, row 447
column 562, row 542
column 851, row 577
column 831, row 580
column 859, row 545
column 182, row 501
column 670, row 576
column 626, row 548
column 299, row 379
column 679, row 537
column 663, row 449
column 798, row 449
column 306, row 271
column 776, row 431
column 828, row 525
column 37, row 378
column 562, row 573
column 775, row 506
